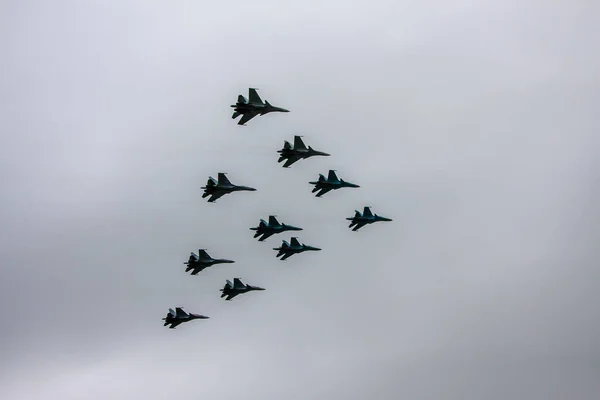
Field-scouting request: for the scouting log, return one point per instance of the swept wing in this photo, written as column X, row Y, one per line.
column 290, row 161
column 247, row 117
column 254, row 97
column 215, row 196
column 299, row 144
column 323, row 191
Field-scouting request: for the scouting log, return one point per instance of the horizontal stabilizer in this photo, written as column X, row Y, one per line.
column 235, row 115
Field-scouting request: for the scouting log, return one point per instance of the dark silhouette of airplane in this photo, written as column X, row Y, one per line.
column 249, row 109
column 271, row 228
column 237, row 287
column 215, row 189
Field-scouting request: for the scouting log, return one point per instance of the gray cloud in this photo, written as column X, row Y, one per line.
column 471, row 124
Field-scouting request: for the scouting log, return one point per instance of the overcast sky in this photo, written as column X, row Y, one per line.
column 473, row 124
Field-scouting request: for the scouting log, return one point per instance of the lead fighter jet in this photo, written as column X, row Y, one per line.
column 237, row 287
column 253, row 107
column 296, row 152
column 330, row 183
column 271, row 228
column 217, row 188
column 179, row 316
column 197, row 263
column 367, row 217
column 294, row 247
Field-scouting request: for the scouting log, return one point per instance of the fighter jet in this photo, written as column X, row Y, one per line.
column 215, row 189
column 289, row 249
column 252, row 108
column 271, row 228
column 367, row 217
column 237, row 287
column 296, row 152
column 197, row 263
column 331, row 183
column 179, row 316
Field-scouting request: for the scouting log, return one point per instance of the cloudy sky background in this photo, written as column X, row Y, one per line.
column 473, row 124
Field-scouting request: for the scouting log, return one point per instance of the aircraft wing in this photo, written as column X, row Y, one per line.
column 175, row 324
column 232, row 295
column 359, row 225
column 287, row 255
column 203, row 254
column 367, row 212
column 223, row 180
column 273, row 220
column 254, row 97
column 291, row 160
column 238, row 283
column 265, row 236
column 180, row 313
column 215, row 196
column 332, row 176
column 294, row 242
column 247, row 117
column 196, row 270
column 323, row 191
column 298, row 143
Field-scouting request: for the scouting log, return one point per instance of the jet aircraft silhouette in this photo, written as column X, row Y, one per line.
column 197, row 263
column 367, row 217
column 215, row 189
column 271, row 228
column 249, row 109
column 294, row 247
column 332, row 182
column 298, row 151
column 179, row 316
column 237, row 287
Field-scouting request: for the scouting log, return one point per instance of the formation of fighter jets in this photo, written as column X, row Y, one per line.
column 216, row 188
